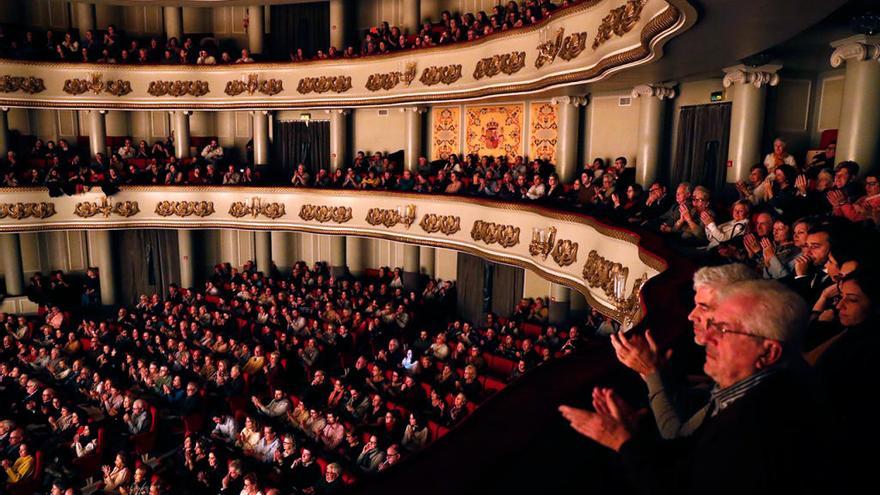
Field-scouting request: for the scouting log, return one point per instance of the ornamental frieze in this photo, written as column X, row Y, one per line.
column 20, row 211
column 564, row 47
column 240, row 209
column 323, row 84
column 88, row 209
column 405, row 215
column 178, row 88
column 97, row 85
column 268, row 87
column 446, row 74
column 565, row 252
column 447, row 224
column 604, row 274
column 507, row 63
column 30, row 85
column 324, row 214
column 185, row 208
column 390, row 80
column 619, row 21
column 491, row 233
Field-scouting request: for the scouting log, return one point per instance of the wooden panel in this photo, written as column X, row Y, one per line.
column 68, row 123
column 243, row 125
column 447, row 264
column 159, row 124
column 30, row 253
column 77, row 251
column 829, row 103
column 221, row 19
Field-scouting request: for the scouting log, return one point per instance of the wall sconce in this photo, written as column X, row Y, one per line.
column 627, row 306
column 542, row 242
column 407, row 214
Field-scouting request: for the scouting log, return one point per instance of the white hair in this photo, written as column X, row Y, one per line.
column 775, row 311
column 722, row 275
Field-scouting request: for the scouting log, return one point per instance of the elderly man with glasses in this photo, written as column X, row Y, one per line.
column 762, row 432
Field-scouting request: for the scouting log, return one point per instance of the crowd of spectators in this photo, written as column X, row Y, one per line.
column 111, row 46
column 297, row 381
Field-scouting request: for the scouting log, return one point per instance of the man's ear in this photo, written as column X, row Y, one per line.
column 772, row 353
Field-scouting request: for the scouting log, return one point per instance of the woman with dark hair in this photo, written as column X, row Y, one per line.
column 416, row 433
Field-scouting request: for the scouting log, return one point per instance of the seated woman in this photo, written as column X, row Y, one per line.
column 727, row 231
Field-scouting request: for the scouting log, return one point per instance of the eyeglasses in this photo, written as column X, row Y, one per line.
column 717, row 327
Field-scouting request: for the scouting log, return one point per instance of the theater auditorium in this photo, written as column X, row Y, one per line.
column 380, row 247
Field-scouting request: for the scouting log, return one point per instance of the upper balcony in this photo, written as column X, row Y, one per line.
column 583, row 43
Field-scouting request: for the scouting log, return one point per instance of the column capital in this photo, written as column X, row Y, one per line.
column 859, row 48
column 661, row 91
column 756, row 76
column 102, row 112
column 260, row 112
column 182, row 112
column 4, row 109
column 413, row 109
column 570, row 100
column 340, row 111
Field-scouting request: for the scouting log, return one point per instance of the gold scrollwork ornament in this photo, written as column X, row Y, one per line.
column 178, row 88
column 505, row 235
column 20, row 211
column 29, row 85
column 446, row 74
column 507, row 63
column 619, row 21
column 324, row 214
column 268, row 87
column 88, row 209
column 447, row 224
column 323, row 84
column 185, row 208
column 565, row 252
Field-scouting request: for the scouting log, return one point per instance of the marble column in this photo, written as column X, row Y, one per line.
column 560, row 303
column 412, row 148
column 181, row 133
column 411, row 19
column 263, row 251
column 747, row 116
column 185, row 252
column 652, row 112
column 97, row 131
column 4, row 131
column 173, row 22
column 338, row 258
column 411, row 266
column 10, row 245
column 255, row 29
column 338, row 137
column 101, row 250
column 261, row 137
column 283, row 251
column 428, row 260
column 355, row 248
column 85, row 17
column 337, row 24
column 567, row 136
column 858, row 137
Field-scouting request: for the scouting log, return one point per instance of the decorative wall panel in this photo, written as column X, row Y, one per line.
column 445, row 132
column 495, row 130
column 543, row 130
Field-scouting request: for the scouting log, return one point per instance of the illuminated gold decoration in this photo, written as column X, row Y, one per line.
column 88, row 209
column 30, row 85
column 619, row 21
column 542, row 242
column 565, row 252
column 178, row 88
column 508, row 63
column 604, row 274
column 239, row 209
column 389, row 80
column 323, row 84
column 185, row 208
column 20, row 211
column 391, row 217
column 96, row 84
column 268, row 87
column 447, row 224
column 446, row 74
column 564, row 47
column 324, row 214
column 490, row 233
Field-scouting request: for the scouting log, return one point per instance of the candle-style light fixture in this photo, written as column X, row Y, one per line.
column 542, row 242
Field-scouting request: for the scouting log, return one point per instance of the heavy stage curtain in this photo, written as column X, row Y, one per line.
column 148, row 262
column 701, row 147
column 484, row 286
column 507, row 288
column 297, row 142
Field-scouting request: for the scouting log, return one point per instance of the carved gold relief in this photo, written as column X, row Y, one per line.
column 389, row 80
column 565, row 252
column 324, row 214
column 508, row 63
column 619, row 21
column 185, row 208
column 20, row 211
column 30, row 85
column 239, row 209
column 97, row 85
column 542, row 242
column 268, row 87
column 323, row 84
column 490, row 233
column 564, row 47
column 604, row 274
column 178, row 88
column 405, row 215
column 447, row 224
column 88, row 209
column 446, row 74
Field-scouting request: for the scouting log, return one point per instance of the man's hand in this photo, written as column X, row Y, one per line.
column 706, row 218
column 768, row 250
column 837, row 197
column 605, row 426
column 638, row 353
column 802, row 265
column 750, row 242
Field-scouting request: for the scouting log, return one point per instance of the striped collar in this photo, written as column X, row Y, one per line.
column 721, row 398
